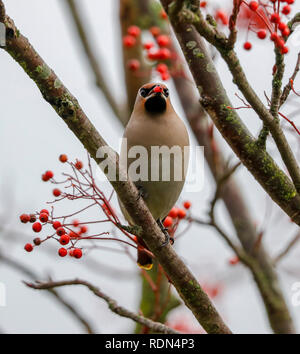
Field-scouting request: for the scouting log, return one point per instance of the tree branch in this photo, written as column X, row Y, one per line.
column 112, row 304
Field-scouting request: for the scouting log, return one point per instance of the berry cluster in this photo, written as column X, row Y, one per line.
column 271, row 17
column 66, row 233
column 174, row 217
column 68, row 230
column 158, row 52
column 266, row 18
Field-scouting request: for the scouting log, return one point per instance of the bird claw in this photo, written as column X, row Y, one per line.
column 166, row 233
column 141, row 191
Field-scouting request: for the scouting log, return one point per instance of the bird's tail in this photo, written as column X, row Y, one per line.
column 144, row 260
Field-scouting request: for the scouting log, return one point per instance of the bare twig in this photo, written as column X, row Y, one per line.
column 9, row 261
column 287, row 249
column 288, row 87
column 112, row 304
column 232, row 23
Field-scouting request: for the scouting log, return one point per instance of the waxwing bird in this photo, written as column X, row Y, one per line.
column 155, row 151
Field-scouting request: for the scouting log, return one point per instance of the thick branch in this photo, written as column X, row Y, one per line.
column 69, row 110
column 112, row 304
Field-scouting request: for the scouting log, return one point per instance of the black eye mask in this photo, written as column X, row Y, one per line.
column 144, row 92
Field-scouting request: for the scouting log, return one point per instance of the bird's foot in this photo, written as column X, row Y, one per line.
column 169, row 239
column 142, row 192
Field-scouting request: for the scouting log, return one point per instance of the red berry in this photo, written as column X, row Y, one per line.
column 163, row 40
column 75, row 223
column 162, row 68
column 24, row 218
column 282, row 26
column 44, row 217
column 64, row 239
column 32, row 218
column 261, row 34
column 148, row 45
column 77, row 253
column 274, row 37
column 290, row 1
column 49, row 174
column 56, row 225
column 129, row 41
column 284, row 50
column 63, row 158
column 133, row 64
column 163, row 14
column 286, row 32
column 187, row 204
column 158, row 89
column 56, row 192
column 253, row 5
column 203, row 4
column 181, row 213
column 280, row 43
column 173, row 213
column 28, row 247
column 62, row 252
column 165, row 76
column 78, row 165
column 44, row 178
column 60, row 231
column 247, row 45
column 155, row 31
column 37, row 227
column 275, row 18
column 134, row 31
column 83, row 229
column 44, row 211
column 221, row 15
column 152, row 54
column 286, row 10
column 37, row 241
column 164, row 54
column 168, row 221
column 73, row 234
column 234, row 260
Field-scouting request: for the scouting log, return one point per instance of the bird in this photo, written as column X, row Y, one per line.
column 155, row 124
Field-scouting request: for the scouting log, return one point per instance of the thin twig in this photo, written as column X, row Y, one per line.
column 9, row 261
column 287, row 249
column 112, row 304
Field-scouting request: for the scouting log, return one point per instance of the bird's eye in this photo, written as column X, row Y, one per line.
column 143, row 92
column 166, row 92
